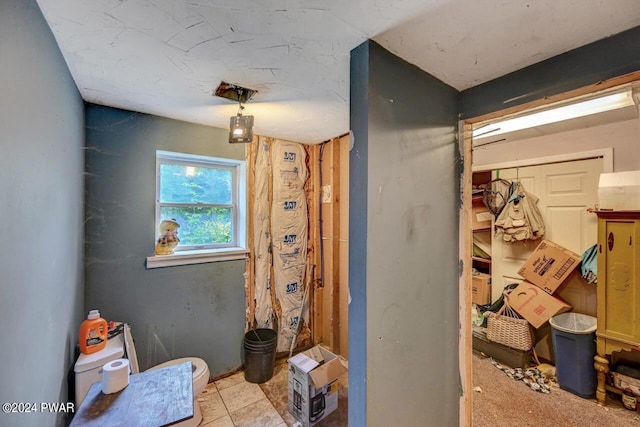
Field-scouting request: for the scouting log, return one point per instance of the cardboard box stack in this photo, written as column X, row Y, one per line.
column 545, row 270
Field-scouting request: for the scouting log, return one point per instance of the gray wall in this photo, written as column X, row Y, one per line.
column 41, row 176
column 403, row 265
column 193, row 310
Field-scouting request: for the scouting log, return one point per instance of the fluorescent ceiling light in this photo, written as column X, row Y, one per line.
column 580, row 109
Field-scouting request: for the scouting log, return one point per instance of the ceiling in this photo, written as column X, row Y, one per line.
column 166, row 57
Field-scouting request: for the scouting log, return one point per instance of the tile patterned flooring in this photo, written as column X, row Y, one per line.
column 234, row 402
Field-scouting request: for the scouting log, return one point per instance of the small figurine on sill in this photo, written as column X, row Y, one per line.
column 168, row 239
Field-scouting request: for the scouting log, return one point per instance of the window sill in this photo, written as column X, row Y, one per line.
column 196, row 257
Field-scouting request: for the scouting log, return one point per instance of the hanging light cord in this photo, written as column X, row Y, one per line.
column 240, row 106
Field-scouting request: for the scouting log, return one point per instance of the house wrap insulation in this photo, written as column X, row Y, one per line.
column 262, row 236
column 289, row 234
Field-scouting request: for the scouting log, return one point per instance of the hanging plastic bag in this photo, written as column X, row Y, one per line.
column 589, row 265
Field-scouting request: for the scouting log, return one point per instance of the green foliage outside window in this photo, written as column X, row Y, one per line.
column 187, row 193
column 201, row 226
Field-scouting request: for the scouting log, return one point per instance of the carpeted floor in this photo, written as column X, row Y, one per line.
column 502, row 402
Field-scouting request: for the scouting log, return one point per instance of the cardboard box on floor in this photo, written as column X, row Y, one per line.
column 534, row 304
column 313, row 386
column 549, row 265
column 481, row 289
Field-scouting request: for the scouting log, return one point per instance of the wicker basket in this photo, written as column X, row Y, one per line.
column 507, row 328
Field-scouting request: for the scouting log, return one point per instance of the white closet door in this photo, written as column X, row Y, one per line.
column 565, row 191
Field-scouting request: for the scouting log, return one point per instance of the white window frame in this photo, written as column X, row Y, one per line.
column 237, row 249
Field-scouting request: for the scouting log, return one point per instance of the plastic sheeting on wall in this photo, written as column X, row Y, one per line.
column 262, row 237
column 289, row 219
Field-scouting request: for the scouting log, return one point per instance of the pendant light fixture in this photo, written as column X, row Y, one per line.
column 240, row 127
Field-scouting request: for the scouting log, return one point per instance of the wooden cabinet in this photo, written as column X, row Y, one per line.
column 618, row 290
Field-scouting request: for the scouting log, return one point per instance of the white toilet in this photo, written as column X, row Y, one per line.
column 88, row 370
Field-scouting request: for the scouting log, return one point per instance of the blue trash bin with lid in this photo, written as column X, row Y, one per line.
column 574, row 347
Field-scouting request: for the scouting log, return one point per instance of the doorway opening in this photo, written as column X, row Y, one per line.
column 543, row 156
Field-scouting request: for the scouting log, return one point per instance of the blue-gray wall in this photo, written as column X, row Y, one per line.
column 601, row 60
column 193, row 310
column 358, row 197
column 41, row 182
column 403, row 251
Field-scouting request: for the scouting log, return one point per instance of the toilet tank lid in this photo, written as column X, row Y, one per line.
column 113, row 350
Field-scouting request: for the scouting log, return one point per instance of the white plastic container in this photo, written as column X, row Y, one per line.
column 619, row 190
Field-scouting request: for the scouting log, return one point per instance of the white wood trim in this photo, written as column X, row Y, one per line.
column 605, row 153
column 241, row 221
column 237, row 167
column 196, row 158
column 196, row 257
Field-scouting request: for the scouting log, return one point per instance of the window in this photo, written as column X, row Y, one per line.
column 206, row 196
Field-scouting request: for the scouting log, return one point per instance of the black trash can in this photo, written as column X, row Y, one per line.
column 259, row 354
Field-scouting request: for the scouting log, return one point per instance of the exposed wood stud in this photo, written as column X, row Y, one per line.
column 335, row 219
column 325, row 225
column 315, row 293
column 250, row 158
column 464, row 284
column 277, row 310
